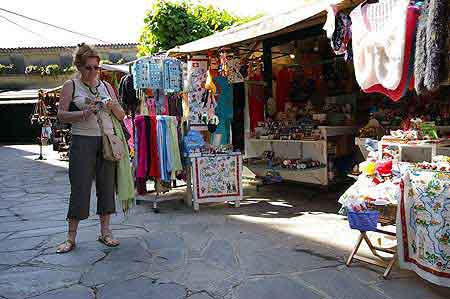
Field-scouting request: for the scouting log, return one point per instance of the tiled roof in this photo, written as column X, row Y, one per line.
column 114, row 46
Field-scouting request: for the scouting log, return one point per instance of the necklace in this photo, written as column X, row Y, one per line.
column 93, row 90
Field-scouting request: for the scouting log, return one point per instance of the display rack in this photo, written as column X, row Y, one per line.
column 298, row 149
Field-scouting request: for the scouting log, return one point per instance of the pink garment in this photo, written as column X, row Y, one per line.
column 128, row 121
column 155, row 169
column 406, row 82
column 142, row 155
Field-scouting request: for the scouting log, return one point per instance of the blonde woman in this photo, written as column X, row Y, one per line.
column 82, row 101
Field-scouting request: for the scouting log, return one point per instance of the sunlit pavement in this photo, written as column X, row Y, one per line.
column 283, row 242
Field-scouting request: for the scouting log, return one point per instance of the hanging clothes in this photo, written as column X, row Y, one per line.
column 168, row 150
column 172, row 76
column 127, row 93
column 431, row 34
column 256, row 100
column 338, row 27
column 174, row 146
column 141, row 74
column 284, row 79
column 142, row 147
column 379, row 43
column 224, row 108
column 162, row 152
column 154, row 162
column 407, row 81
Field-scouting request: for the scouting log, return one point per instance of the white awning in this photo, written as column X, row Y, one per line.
column 261, row 28
column 124, row 68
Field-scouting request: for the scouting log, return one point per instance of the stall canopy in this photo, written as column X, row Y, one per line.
column 124, row 68
column 26, row 96
column 265, row 27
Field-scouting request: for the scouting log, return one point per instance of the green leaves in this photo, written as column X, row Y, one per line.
column 169, row 24
column 7, row 69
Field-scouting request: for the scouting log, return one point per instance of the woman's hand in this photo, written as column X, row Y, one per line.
column 91, row 109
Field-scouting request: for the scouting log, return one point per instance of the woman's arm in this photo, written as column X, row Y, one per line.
column 64, row 115
column 114, row 104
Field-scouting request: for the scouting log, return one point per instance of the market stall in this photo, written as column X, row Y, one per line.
column 52, row 131
column 405, row 140
column 176, row 117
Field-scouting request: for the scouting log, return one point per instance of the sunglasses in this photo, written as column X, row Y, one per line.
column 91, row 67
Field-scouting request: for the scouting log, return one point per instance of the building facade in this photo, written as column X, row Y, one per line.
column 20, row 58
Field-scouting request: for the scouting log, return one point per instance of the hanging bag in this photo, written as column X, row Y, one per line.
column 112, row 145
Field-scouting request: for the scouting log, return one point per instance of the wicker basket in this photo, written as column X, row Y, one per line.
column 388, row 214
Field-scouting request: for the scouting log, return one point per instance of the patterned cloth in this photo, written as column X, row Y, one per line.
column 172, row 76
column 423, row 225
column 197, row 70
column 217, row 177
column 141, row 74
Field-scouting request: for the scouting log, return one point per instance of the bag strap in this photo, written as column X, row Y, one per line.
column 110, row 114
column 100, row 123
column 73, row 90
column 106, row 87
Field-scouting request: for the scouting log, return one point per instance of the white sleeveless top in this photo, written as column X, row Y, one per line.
column 81, row 96
column 378, row 33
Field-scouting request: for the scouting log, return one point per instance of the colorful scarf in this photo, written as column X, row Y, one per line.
column 124, row 179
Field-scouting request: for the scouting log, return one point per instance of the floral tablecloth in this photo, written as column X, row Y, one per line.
column 217, row 178
column 423, row 225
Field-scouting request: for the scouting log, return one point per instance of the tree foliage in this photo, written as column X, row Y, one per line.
column 172, row 23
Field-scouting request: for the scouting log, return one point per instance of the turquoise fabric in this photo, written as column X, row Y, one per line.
column 224, row 109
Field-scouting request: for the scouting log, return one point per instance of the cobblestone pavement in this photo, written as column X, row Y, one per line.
column 284, row 242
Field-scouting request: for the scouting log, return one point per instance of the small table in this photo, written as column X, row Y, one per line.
column 378, row 260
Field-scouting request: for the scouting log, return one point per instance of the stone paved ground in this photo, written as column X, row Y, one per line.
column 285, row 242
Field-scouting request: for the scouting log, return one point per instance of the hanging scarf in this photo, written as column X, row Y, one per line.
column 430, row 43
column 124, row 179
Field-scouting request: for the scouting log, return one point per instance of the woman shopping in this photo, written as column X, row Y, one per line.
column 98, row 149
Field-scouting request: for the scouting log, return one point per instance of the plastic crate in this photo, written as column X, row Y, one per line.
column 363, row 221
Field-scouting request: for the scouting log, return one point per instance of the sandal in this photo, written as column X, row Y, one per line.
column 66, row 247
column 108, row 240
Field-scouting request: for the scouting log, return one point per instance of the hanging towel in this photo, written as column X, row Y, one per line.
column 405, row 83
column 378, row 34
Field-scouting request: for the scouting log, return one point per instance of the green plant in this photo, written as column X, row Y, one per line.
column 70, row 70
column 169, row 24
column 105, row 61
column 7, row 69
column 121, row 61
column 53, row 70
column 34, row 70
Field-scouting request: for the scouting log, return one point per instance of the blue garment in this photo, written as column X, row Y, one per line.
column 169, row 163
column 224, row 109
column 172, row 75
column 161, row 149
column 141, row 74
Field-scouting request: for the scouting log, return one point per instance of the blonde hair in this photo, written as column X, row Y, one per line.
column 82, row 53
